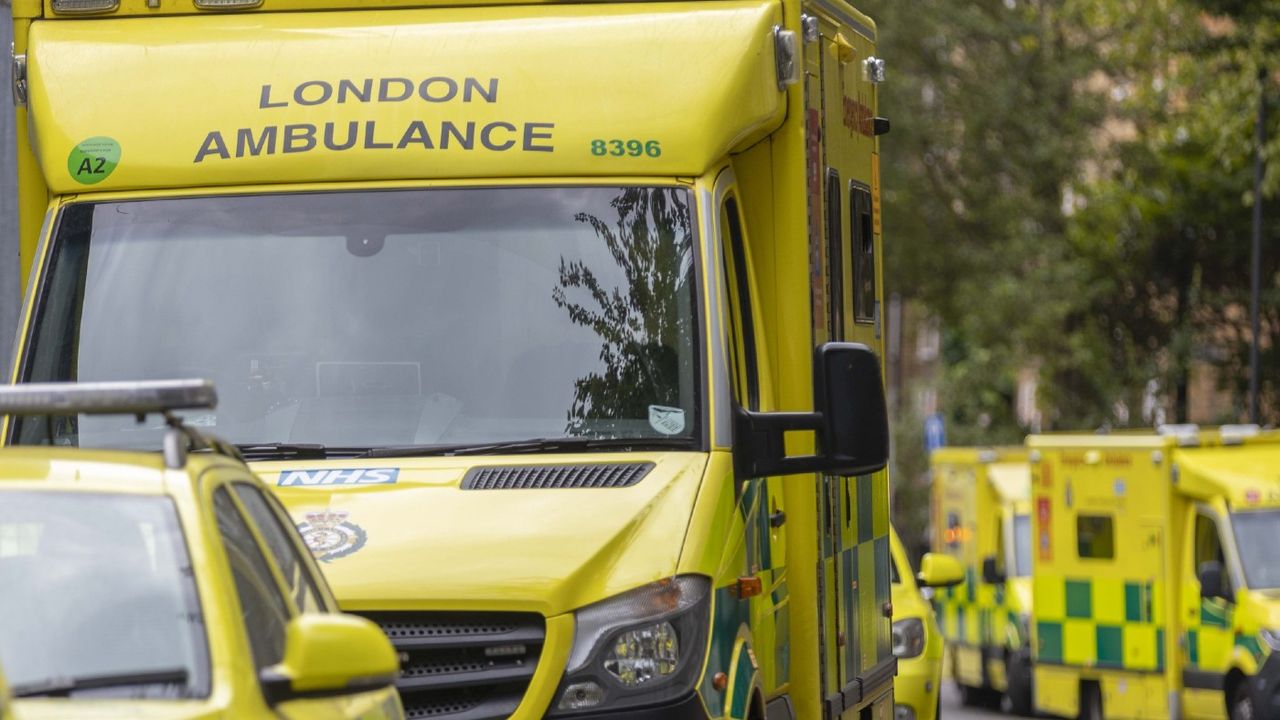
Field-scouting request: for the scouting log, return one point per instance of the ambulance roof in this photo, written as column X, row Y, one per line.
column 1247, row 473
column 640, row 89
column 1011, row 480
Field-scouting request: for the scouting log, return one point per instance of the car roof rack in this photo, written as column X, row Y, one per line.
column 139, row 398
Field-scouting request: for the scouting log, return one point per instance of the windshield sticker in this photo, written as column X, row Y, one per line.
column 511, row 134
column 666, row 420
column 345, row 476
column 93, row 160
column 329, row 536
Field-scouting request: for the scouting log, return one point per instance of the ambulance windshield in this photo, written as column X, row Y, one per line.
column 1256, row 533
column 382, row 318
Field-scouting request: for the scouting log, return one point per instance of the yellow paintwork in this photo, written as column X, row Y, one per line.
column 235, row 691
column 919, row 678
column 698, row 79
column 320, row 650
column 592, row 545
column 489, row 65
column 976, row 494
column 1154, row 489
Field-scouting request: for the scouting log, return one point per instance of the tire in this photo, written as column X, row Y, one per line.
column 979, row 697
column 1091, row 702
column 1242, row 705
column 1019, row 691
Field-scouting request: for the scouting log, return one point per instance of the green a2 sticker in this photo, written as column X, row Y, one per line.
column 93, row 160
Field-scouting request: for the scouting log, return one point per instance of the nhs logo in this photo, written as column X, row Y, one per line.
column 348, row 476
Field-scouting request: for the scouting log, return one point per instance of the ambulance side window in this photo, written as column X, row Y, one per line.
column 835, row 254
column 1208, row 544
column 742, row 345
column 864, row 254
column 1095, row 537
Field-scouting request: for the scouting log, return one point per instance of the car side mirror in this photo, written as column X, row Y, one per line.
column 850, row 419
column 330, row 654
column 1211, row 584
column 939, row 570
column 991, row 572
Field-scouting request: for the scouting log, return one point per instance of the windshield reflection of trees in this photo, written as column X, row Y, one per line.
column 640, row 325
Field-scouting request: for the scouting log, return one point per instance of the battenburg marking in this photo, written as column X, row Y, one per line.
column 343, row 476
column 330, row 536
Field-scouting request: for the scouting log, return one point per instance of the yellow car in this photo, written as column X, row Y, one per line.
column 165, row 585
column 916, row 640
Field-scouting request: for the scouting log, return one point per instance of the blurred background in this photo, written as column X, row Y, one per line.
column 1068, row 202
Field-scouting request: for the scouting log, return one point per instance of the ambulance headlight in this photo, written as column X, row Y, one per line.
column 908, row 637
column 639, row 648
column 1271, row 638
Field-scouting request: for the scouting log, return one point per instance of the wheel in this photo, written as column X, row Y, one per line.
column 1242, row 707
column 1090, row 702
column 969, row 695
column 1019, row 691
column 981, row 697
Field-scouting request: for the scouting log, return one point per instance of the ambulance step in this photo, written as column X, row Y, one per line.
column 462, row 665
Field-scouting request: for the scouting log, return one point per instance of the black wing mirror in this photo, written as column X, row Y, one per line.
column 1211, row 584
column 850, row 420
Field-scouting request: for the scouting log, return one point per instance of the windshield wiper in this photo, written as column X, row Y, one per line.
column 64, row 686
column 297, row 451
column 536, row 445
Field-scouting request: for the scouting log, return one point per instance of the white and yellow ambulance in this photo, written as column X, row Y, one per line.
column 554, row 325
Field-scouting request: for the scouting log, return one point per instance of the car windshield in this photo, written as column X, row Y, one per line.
column 386, row 318
column 98, row 590
column 1256, row 531
column 1022, row 545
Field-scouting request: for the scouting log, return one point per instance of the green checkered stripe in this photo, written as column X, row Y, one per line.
column 973, row 612
column 1212, row 635
column 1103, row 622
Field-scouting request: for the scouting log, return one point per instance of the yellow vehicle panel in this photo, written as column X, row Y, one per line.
column 592, row 544
column 406, row 94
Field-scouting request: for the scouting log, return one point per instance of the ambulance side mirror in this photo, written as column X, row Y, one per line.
column 850, row 421
column 938, row 570
column 1211, row 585
column 849, row 392
column 991, row 572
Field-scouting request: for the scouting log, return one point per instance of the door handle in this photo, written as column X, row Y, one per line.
column 777, row 519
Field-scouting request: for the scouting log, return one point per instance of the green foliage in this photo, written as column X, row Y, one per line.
column 1068, row 186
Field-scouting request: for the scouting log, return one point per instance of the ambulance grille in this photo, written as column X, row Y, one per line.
column 463, row 666
column 549, row 477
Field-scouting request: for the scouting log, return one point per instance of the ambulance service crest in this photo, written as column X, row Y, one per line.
column 330, row 536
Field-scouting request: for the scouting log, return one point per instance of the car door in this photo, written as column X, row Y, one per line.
column 274, row 581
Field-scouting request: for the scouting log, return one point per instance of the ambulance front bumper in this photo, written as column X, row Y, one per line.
column 690, row 708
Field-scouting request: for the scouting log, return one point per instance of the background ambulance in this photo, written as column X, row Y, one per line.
column 981, row 512
column 1157, row 581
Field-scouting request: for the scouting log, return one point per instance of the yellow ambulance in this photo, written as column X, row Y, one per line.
column 1157, row 584
column 981, row 503
column 554, row 325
